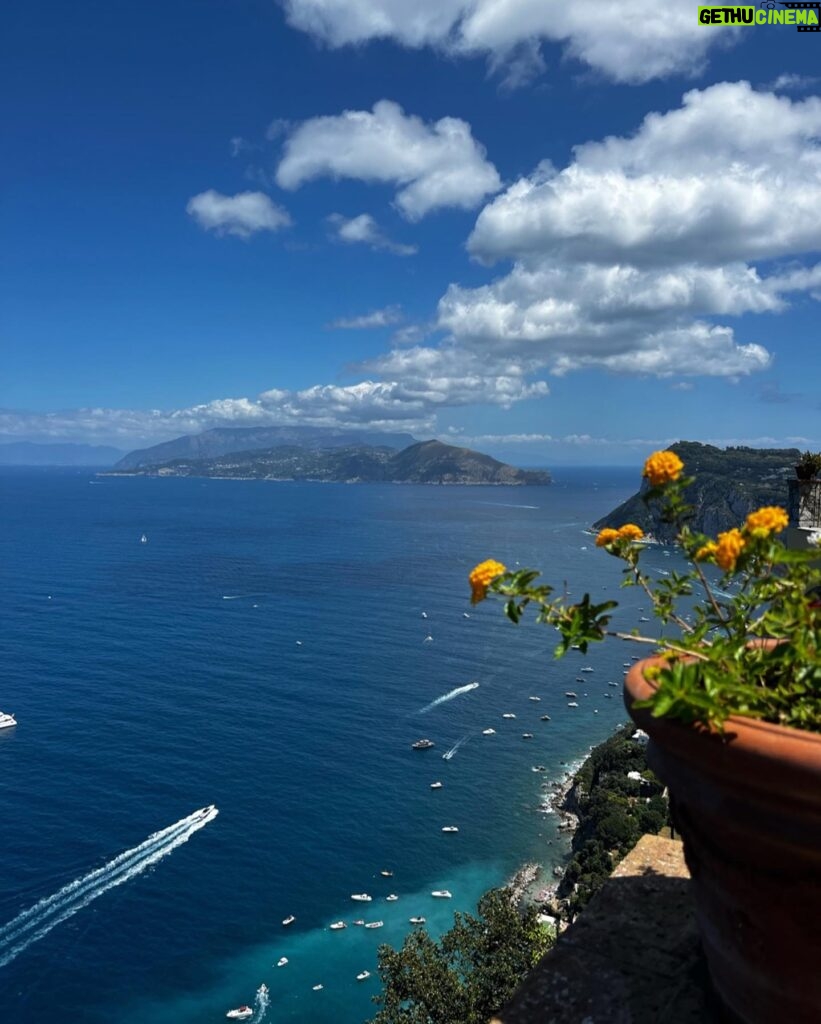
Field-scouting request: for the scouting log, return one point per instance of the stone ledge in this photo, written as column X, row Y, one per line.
column 632, row 957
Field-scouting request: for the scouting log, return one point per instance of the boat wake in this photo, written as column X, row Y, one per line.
column 448, row 696
column 38, row 921
column 449, row 754
column 260, row 1003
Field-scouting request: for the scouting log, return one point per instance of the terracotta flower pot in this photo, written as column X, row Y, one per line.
column 748, row 807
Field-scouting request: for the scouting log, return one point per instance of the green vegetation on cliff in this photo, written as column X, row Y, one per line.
column 730, row 483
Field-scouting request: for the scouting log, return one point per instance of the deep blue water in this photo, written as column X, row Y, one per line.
column 265, row 651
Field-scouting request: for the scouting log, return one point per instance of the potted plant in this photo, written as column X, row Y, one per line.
column 731, row 700
column 808, row 466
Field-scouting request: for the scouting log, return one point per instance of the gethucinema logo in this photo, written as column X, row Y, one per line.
column 805, row 17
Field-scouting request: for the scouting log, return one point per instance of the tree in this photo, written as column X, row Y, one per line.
column 469, row 973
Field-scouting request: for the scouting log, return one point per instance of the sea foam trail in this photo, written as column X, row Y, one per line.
column 448, row 696
column 447, row 756
column 260, row 1004
column 38, row 921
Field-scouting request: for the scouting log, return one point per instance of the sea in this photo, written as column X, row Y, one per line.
column 217, row 684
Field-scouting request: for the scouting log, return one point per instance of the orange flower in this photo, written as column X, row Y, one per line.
column 767, row 520
column 606, row 536
column 729, row 547
column 707, row 551
column 630, row 532
column 482, row 576
column 663, row 468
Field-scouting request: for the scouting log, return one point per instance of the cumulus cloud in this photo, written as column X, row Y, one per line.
column 434, row 165
column 364, row 230
column 628, row 40
column 242, row 215
column 378, row 318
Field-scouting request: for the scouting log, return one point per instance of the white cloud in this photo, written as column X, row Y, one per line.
column 364, row 230
column 629, row 40
column 789, row 82
column 378, row 318
column 435, row 165
column 241, row 215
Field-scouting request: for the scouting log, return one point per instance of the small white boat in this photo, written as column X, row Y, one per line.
column 283, row 960
column 436, row 785
column 289, row 919
column 392, row 898
column 538, row 768
column 7, row 721
column 441, row 894
column 374, row 924
column 386, row 874
column 527, row 735
column 570, row 693
column 422, row 745
column 488, row 732
column 361, row 897
column 317, row 988
column 338, row 926
column 450, row 828
column 466, row 615
column 241, row 1013
column 587, row 668
column 363, row 975
column 572, row 704
column 417, row 920
column 143, row 539
column 508, row 714
column 545, row 718
column 428, row 639
column 534, row 698
column 611, row 683
column 359, row 922
column 643, row 618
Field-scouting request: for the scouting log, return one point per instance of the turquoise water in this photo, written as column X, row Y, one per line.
column 265, row 651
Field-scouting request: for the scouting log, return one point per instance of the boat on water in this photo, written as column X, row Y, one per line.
column 422, row 745
column 450, row 828
column 436, row 785
column 338, row 926
column 545, row 718
column 360, row 922
column 317, row 988
column 572, row 704
column 289, row 919
column 417, row 920
column 386, row 874
column 374, row 924
column 534, row 698
column 7, row 721
column 240, row 1013
column 587, row 668
column 538, row 768
column 363, row 975
column 392, row 898
column 361, row 897
column 442, row 894
column 143, row 539
column 283, row 960
column 570, row 693
column 527, row 735
column 508, row 714
column 488, row 732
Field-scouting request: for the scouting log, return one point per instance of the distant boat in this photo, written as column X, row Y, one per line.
column 424, row 615
column 527, row 735
column 143, row 539
column 569, row 693
column 392, row 898
column 572, row 704
column 360, row 922
column 436, row 785
column 289, row 919
column 466, row 615
column 538, row 768
column 241, row 1013
column 534, row 698
column 374, row 924
column 363, row 975
column 422, row 745
column 587, row 668
column 283, row 960
column 442, row 894
column 417, row 920
column 488, row 732
column 508, row 714
column 7, row 721
column 545, row 718
column 450, row 828
column 337, row 926
column 361, row 897
column 386, row 874
column 317, row 988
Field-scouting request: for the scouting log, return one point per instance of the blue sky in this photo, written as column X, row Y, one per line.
column 560, row 233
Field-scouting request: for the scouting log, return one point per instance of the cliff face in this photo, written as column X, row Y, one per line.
column 730, row 483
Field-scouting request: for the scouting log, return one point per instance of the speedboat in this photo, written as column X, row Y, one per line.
column 7, row 721
column 436, row 785
column 534, row 698
column 289, row 919
column 488, row 732
column 416, row 920
column 283, row 960
column 572, row 704
column 570, row 693
column 443, row 894
column 545, row 718
column 450, row 828
column 527, row 735
column 363, row 975
column 359, row 922
column 587, row 668
column 422, row 745
column 611, row 683
column 361, row 897
column 508, row 714
column 317, row 988
column 338, row 925
column 374, row 924
column 538, row 768
column 392, row 898
column 386, row 874
column 241, row 1013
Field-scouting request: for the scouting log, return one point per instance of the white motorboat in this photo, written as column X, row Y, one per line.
column 587, row 668
column 392, row 898
column 534, row 698
column 572, row 704
column 359, row 922
column 436, row 785
column 450, row 828
column 527, row 735
column 361, row 897
column 545, row 718
column 363, row 975
column 417, row 920
column 422, row 745
column 386, row 874
column 338, row 925
column 7, row 721
column 442, row 894
column 241, row 1013
column 570, row 693
column 143, row 539
column 318, row 988
column 374, row 924
column 488, row 732
column 283, row 960
column 289, row 919
column 508, row 714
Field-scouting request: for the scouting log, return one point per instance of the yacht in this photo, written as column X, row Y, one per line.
column 436, row 785
column 508, row 714
column 587, row 668
column 386, row 874
column 392, row 898
column 241, row 1013
column 569, row 693
column 317, row 988
column 417, row 920
column 534, row 698
column 7, row 721
column 363, row 975
column 422, row 744
column 337, row 926
column 443, row 894
column 527, row 735
column 360, row 922
column 449, row 828
column 289, row 919
column 374, row 924
column 545, row 718
column 488, row 732
column 361, row 897
column 283, row 960
column 572, row 704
